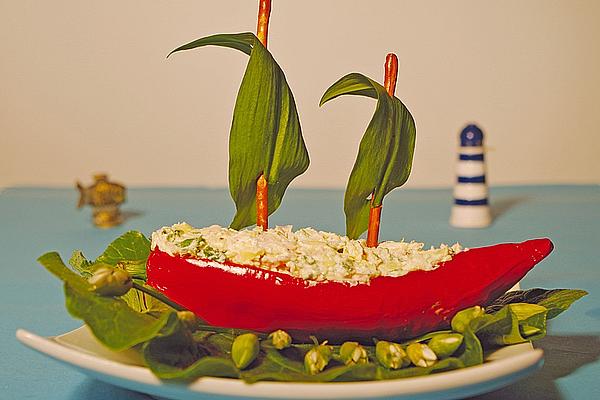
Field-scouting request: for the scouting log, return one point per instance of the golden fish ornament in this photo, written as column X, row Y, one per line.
column 104, row 197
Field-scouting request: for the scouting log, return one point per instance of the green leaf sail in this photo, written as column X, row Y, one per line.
column 265, row 136
column 385, row 154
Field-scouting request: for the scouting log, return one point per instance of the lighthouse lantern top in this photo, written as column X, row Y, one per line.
column 471, row 136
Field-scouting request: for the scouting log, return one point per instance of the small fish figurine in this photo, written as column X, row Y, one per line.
column 104, row 197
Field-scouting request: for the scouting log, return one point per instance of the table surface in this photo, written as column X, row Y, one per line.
column 36, row 220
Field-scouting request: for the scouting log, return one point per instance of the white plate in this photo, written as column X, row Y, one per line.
column 82, row 351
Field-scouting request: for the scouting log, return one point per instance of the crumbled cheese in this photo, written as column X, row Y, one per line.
column 305, row 253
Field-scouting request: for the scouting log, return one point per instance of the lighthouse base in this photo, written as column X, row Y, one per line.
column 470, row 216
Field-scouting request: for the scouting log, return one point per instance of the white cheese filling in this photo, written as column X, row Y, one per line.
column 305, row 253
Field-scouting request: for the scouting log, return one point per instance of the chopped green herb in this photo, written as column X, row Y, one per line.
column 184, row 243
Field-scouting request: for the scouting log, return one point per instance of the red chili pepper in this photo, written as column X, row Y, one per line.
column 248, row 297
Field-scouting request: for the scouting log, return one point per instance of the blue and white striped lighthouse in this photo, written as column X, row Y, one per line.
column 471, row 208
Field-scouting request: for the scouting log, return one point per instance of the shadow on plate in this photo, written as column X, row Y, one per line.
column 563, row 355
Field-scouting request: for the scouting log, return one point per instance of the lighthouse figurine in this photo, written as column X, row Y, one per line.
column 471, row 207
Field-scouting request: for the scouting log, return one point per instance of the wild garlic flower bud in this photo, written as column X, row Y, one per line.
column 461, row 320
column 189, row 319
column 445, row 344
column 353, row 353
column 110, row 281
column 244, row 350
column 317, row 358
column 391, row 355
column 280, row 339
column 421, row 355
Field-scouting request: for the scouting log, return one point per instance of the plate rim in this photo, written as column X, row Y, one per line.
column 500, row 372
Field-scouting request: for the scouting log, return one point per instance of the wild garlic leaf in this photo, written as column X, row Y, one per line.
column 239, row 41
column 560, row 300
column 273, row 365
column 81, row 264
column 54, row 264
column 555, row 300
column 110, row 319
column 498, row 329
column 136, row 299
column 532, row 320
column 425, row 337
column 204, row 366
column 446, row 364
column 509, row 325
column 471, row 351
column 265, row 136
column 384, row 159
column 346, row 373
column 176, row 354
column 287, row 366
column 131, row 250
column 143, row 302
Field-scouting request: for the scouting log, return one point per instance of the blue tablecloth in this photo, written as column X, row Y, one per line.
column 36, row 220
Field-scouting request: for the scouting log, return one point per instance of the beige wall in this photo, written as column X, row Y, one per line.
column 85, row 86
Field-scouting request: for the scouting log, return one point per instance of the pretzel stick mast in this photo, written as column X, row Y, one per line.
column 262, row 186
column 262, row 29
column 391, row 75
